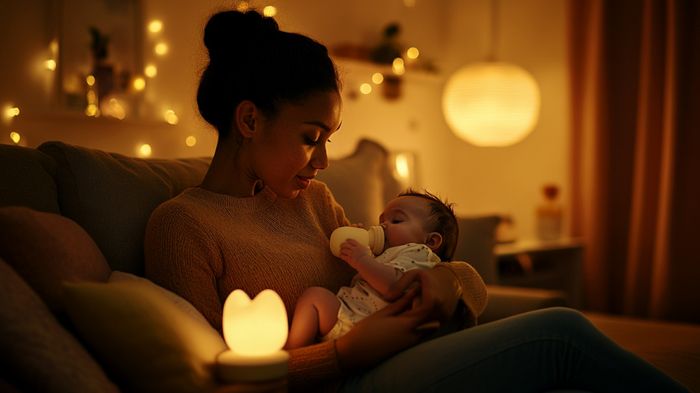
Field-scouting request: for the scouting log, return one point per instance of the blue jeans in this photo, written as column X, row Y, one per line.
column 539, row 351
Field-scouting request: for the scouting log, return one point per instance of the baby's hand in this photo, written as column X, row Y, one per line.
column 351, row 251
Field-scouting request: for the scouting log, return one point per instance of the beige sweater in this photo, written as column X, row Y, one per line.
column 203, row 245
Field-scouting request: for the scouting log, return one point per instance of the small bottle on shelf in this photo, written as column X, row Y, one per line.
column 550, row 214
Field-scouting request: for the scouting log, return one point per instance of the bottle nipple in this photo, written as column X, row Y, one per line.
column 372, row 238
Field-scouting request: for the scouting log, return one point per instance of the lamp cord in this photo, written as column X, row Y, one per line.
column 494, row 30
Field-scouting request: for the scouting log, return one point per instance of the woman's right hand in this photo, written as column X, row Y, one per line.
column 381, row 335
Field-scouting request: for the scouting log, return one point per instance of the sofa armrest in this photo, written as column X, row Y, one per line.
column 505, row 301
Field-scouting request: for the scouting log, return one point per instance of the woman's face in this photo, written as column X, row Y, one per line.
column 290, row 148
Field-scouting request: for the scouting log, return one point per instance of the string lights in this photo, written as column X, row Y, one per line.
column 86, row 97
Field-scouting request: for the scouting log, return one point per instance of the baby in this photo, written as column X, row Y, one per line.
column 420, row 230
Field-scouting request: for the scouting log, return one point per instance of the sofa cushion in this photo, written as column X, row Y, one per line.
column 38, row 355
column 46, row 249
column 143, row 337
column 26, row 179
column 477, row 239
column 112, row 196
column 362, row 182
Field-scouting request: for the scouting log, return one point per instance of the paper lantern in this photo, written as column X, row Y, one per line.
column 491, row 103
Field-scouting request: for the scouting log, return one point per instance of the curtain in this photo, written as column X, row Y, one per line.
column 635, row 95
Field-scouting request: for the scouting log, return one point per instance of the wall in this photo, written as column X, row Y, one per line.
column 452, row 33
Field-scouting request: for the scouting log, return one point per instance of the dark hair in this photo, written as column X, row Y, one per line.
column 251, row 59
column 444, row 222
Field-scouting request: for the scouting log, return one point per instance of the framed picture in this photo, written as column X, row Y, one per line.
column 100, row 49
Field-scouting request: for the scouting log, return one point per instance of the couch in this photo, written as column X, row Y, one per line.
column 75, row 313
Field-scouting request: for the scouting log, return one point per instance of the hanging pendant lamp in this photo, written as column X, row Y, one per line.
column 491, row 103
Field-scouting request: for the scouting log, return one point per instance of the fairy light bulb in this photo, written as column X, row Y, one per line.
column 144, row 150
column 170, row 117
column 11, row 112
column 50, row 64
column 398, row 66
column 155, row 26
column 150, row 71
column 139, row 83
column 270, row 11
column 161, row 49
column 365, row 88
column 15, row 137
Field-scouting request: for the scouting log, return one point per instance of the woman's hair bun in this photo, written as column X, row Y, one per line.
column 251, row 59
column 230, row 30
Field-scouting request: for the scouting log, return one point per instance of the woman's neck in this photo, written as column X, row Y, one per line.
column 227, row 173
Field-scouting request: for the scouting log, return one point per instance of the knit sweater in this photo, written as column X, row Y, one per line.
column 202, row 245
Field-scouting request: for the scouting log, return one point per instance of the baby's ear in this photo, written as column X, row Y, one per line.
column 434, row 241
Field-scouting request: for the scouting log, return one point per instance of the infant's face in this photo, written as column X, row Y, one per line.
column 405, row 219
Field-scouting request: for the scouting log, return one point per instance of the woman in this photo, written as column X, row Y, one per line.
column 260, row 220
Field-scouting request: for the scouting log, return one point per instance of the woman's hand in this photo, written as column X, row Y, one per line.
column 439, row 292
column 380, row 335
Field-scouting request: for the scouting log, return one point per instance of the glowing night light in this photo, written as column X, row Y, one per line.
column 150, row 71
column 139, row 83
column 90, row 80
column 155, row 26
column 412, row 53
column 190, row 141
column 170, row 117
column 377, row 78
column 270, row 11
column 255, row 331
column 50, row 64
column 144, row 150
column 365, row 88
column 161, row 48
column 15, row 137
column 398, row 66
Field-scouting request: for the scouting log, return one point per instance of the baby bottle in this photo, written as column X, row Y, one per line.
column 372, row 237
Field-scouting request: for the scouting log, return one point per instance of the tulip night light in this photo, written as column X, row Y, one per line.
column 255, row 332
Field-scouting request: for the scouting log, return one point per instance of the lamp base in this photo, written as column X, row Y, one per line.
column 231, row 367
column 276, row 386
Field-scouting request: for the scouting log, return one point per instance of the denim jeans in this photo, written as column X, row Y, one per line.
column 544, row 350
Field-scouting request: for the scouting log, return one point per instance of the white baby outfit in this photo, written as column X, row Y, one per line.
column 361, row 300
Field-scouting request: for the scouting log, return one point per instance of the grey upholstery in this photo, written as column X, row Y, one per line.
column 477, row 238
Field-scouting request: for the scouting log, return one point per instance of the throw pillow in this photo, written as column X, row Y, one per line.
column 26, row 179
column 143, row 337
column 175, row 299
column 112, row 195
column 38, row 354
column 46, row 249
